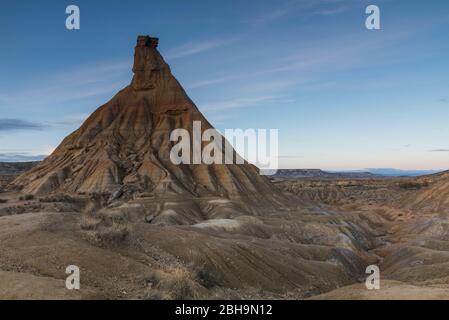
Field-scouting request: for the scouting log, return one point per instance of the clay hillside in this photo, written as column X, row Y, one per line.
column 435, row 194
column 123, row 148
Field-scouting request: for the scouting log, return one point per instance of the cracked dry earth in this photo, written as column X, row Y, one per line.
column 191, row 248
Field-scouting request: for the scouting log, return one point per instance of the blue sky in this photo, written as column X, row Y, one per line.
column 343, row 97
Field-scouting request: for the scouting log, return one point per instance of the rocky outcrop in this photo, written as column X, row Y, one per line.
column 124, row 146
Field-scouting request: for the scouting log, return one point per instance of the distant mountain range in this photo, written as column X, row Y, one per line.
column 356, row 174
column 18, row 157
column 390, row 172
column 317, row 173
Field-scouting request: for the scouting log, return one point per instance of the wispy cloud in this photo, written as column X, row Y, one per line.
column 88, row 80
column 439, row 150
column 18, row 124
column 208, row 82
column 278, row 13
column 309, row 64
column 332, row 10
column 239, row 103
column 196, row 47
column 72, row 120
column 303, row 7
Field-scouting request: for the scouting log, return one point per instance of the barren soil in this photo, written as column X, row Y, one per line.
column 188, row 248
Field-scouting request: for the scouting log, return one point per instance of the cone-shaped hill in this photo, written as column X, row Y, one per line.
column 124, row 146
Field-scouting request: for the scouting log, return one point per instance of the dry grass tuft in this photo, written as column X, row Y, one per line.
column 175, row 283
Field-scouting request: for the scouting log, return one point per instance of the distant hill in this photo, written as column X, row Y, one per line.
column 317, row 173
column 10, row 170
column 369, row 173
column 390, row 172
column 16, row 167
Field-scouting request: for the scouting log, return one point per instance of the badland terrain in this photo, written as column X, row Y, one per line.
column 110, row 201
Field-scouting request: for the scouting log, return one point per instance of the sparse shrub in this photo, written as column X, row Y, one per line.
column 97, row 232
column 105, row 227
column 57, row 198
column 26, row 197
column 113, row 235
column 206, row 279
column 89, row 222
column 178, row 284
column 99, row 235
column 410, row 185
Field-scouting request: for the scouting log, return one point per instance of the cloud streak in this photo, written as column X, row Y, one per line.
column 312, row 63
column 239, row 103
column 86, row 81
column 305, row 7
column 18, row 124
column 192, row 48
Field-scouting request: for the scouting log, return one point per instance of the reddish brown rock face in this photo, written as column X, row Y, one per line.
column 125, row 145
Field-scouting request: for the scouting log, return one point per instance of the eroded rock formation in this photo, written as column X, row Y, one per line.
column 124, row 146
